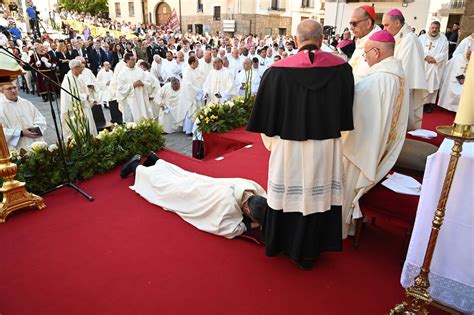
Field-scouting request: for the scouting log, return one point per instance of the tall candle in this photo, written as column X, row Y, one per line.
column 465, row 114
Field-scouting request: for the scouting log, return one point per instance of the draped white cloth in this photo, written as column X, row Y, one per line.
column 191, row 98
column 156, row 69
column 219, row 81
column 78, row 88
column 296, row 183
column 210, row 204
column 205, row 67
column 113, row 83
column 357, row 61
column 409, row 51
column 438, row 49
column 152, row 90
column 133, row 101
column 466, row 44
column 451, row 89
column 168, row 100
column 17, row 116
column 380, row 121
column 169, row 69
column 103, row 85
column 89, row 79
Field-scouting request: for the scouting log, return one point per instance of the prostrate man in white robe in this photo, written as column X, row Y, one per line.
column 219, row 84
column 465, row 45
column 247, row 75
column 409, row 51
column 104, row 76
column 169, row 67
column 131, row 94
column 22, row 122
column 89, row 79
column 73, row 83
column 152, row 89
column 435, row 46
column 191, row 95
column 362, row 26
column 380, row 121
column 168, row 102
column 226, row 207
column 205, row 66
column 452, row 82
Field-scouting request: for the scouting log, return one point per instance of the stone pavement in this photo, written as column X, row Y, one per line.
column 178, row 142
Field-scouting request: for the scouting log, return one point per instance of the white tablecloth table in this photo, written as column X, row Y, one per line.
column 452, row 268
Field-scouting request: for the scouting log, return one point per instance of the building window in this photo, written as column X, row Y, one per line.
column 217, row 13
column 274, row 5
column 307, row 3
column 200, row 7
column 117, row 9
column 281, row 31
column 131, row 9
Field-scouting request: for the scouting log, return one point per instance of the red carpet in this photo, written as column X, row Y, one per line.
column 438, row 117
column 122, row 255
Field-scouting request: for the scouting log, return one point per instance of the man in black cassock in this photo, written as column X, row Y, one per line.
column 302, row 105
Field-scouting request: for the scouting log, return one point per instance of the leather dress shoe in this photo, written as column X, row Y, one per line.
column 151, row 159
column 130, row 166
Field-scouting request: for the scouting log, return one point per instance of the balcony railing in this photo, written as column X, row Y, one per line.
column 454, row 4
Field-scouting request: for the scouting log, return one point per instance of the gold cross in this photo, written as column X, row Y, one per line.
column 430, row 46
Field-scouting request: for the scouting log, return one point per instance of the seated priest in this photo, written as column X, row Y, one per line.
column 227, row 207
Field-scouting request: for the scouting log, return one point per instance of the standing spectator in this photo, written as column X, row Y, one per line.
column 117, row 54
column 453, row 39
column 95, row 58
column 64, row 57
column 33, row 19
column 15, row 31
column 13, row 9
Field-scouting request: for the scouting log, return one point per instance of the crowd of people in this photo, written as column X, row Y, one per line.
column 169, row 76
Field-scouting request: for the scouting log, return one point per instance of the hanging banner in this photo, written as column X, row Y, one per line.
column 173, row 21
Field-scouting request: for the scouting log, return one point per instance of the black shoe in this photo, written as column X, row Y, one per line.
column 428, row 108
column 130, row 166
column 151, row 159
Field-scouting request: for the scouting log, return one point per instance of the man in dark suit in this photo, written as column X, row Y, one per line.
column 95, row 57
column 152, row 50
column 78, row 50
column 106, row 54
column 53, row 53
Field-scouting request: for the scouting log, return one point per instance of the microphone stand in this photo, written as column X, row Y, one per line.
column 50, row 82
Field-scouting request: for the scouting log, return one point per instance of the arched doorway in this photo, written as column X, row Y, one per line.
column 163, row 12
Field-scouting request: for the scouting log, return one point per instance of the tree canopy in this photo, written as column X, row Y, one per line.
column 89, row 6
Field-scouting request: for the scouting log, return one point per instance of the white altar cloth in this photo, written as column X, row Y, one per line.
column 452, row 268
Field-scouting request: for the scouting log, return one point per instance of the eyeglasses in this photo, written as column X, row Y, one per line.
column 366, row 52
column 355, row 23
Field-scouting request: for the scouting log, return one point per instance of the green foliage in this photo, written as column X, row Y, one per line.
column 227, row 116
column 89, row 6
column 42, row 168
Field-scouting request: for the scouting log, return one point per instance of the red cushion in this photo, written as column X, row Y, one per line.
column 382, row 201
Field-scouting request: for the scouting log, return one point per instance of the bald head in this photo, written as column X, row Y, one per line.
column 375, row 51
column 309, row 32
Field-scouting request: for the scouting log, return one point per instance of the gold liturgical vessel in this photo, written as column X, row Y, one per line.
column 15, row 196
column 418, row 297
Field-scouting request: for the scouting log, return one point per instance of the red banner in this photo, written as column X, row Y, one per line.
column 173, row 21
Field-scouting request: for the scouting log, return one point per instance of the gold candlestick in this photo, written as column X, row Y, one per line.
column 418, row 296
column 15, row 196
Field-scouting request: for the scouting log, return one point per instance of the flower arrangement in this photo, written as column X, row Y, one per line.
column 226, row 116
column 42, row 167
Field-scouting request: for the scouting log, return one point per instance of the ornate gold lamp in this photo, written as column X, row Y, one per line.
column 15, row 196
column 418, row 297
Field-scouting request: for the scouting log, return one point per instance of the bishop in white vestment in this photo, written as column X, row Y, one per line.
column 131, row 94
column 168, row 102
column 409, row 51
column 191, row 95
column 213, row 205
column 76, row 87
column 219, row 84
column 435, row 46
column 380, row 122
column 16, row 116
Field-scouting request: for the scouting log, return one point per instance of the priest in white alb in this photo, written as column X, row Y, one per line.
column 191, row 95
column 152, row 89
column 465, row 45
column 362, row 25
column 89, row 79
column 131, row 94
column 380, row 122
column 22, row 122
column 247, row 76
column 219, row 84
column 168, row 102
column 104, row 76
column 169, row 67
column 73, row 83
column 409, row 51
column 452, row 83
column 205, row 64
column 435, row 46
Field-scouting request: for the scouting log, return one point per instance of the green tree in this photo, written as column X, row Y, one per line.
column 89, row 6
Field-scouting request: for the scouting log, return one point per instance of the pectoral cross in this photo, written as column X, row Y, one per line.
column 430, row 46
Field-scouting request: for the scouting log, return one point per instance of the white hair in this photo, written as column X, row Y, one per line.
column 74, row 63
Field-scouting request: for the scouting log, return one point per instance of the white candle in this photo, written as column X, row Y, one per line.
column 465, row 114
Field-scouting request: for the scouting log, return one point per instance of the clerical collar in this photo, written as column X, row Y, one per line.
column 431, row 37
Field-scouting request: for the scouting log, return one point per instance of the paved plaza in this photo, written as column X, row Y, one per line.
column 177, row 142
